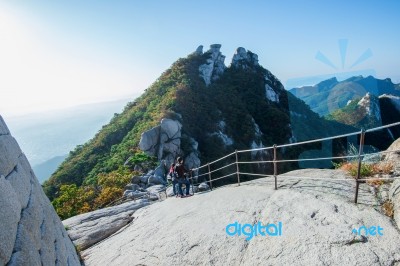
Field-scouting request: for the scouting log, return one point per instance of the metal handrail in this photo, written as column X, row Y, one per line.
column 257, row 149
column 317, row 140
column 382, row 127
column 275, row 161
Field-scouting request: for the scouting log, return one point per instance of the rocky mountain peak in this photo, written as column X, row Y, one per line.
column 371, row 104
column 215, row 64
column 328, row 84
column 243, row 58
column 394, row 99
column 199, row 50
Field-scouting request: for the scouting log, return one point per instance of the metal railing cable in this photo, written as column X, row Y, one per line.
column 359, row 157
column 215, row 179
column 257, row 149
column 317, row 140
column 318, row 159
column 223, row 167
column 382, row 127
column 255, row 162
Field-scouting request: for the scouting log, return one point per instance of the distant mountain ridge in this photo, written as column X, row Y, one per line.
column 47, row 135
column 44, row 170
column 330, row 95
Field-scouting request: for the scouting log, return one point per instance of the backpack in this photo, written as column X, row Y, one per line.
column 172, row 174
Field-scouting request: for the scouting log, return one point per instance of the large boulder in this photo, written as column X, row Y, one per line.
column 393, row 157
column 162, row 139
column 156, row 180
column 136, row 179
column 132, row 187
column 144, row 178
column 394, row 196
column 192, row 161
column 31, row 231
column 156, row 189
column 161, row 170
column 89, row 228
column 170, row 137
column 149, row 141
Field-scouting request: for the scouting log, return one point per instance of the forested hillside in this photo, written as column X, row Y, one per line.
column 220, row 108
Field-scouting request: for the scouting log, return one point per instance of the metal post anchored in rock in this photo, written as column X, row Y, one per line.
column 360, row 156
column 237, row 167
column 275, row 169
column 209, row 175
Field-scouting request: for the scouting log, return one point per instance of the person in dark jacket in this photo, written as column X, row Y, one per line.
column 180, row 171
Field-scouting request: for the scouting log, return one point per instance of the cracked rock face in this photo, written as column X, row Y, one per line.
column 394, row 192
column 215, row 65
column 31, row 232
column 164, row 142
column 89, row 228
column 242, row 58
column 371, row 107
column 165, row 138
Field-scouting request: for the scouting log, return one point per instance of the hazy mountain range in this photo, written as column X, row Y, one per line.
column 329, row 95
column 48, row 137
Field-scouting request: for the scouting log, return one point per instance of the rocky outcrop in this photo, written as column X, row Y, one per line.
column 318, row 219
column 31, row 232
column 370, row 104
column 394, row 99
column 221, row 134
column 90, row 228
column 164, row 142
column 243, row 58
column 215, row 65
column 394, row 192
column 199, row 50
column 271, row 94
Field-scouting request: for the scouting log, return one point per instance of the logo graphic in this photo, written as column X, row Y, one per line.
column 335, row 91
column 251, row 230
column 366, row 231
column 343, row 52
column 340, row 73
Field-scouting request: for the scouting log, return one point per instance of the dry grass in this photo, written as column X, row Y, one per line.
column 387, row 208
column 347, row 166
column 375, row 182
column 383, row 168
column 367, row 170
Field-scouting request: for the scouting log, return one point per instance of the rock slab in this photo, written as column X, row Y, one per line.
column 31, row 231
column 317, row 216
column 90, row 228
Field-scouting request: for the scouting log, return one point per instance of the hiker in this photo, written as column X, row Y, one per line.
column 180, row 171
column 173, row 177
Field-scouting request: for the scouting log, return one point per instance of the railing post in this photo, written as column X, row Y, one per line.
column 360, row 151
column 191, row 181
column 209, row 175
column 275, row 169
column 237, row 167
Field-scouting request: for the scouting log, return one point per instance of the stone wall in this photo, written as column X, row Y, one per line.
column 31, row 231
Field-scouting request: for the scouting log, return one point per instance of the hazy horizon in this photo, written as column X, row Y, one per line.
column 62, row 54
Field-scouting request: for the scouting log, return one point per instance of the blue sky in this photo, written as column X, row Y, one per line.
column 63, row 53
